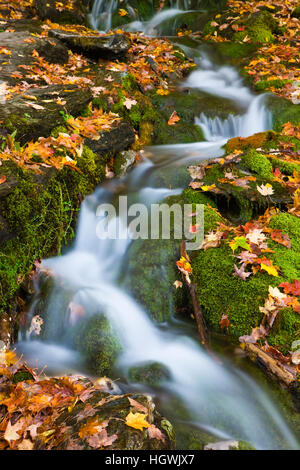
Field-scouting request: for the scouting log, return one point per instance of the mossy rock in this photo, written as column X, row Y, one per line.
column 47, row 9
column 283, row 111
column 155, row 259
column 241, row 204
column 260, row 27
column 152, row 374
column 254, row 141
column 190, row 103
column 41, row 212
column 151, row 259
column 217, row 289
column 99, row 344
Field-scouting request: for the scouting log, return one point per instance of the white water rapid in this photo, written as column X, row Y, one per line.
column 220, row 398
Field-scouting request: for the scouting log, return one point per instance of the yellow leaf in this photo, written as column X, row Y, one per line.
column 270, row 269
column 137, row 421
column 208, row 188
column 122, row 12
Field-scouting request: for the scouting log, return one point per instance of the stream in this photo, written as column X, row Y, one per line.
column 223, row 401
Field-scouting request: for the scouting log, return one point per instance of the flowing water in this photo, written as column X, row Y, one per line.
column 102, row 16
column 220, row 399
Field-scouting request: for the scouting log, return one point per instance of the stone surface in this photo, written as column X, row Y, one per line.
column 115, row 140
column 21, row 47
column 34, row 118
column 123, row 162
column 94, row 46
column 222, row 445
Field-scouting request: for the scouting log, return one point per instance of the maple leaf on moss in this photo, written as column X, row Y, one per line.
column 291, row 287
column 173, row 119
column 239, row 242
column 137, row 421
column 272, row 270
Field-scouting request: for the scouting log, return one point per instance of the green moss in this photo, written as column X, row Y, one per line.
column 243, row 445
column 258, row 164
column 290, row 224
column 219, row 291
column 211, row 217
column 59, row 130
column 21, row 376
column 100, row 103
column 155, row 259
column 152, row 374
column 41, row 216
column 265, row 84
column 99, row 344
column 258, row 33
column 236, row 50
column 260, row 27
column 283, row 111
column 285, row 167
column 285, row 330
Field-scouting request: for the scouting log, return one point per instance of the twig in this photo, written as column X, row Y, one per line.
column 198, row 311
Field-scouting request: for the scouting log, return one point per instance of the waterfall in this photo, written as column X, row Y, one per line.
column 225, row 82
column 256, row 119
column 102, row 12
column 220, row 398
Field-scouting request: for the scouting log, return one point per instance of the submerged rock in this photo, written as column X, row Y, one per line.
column 228, row 445
column 152, row 374
column 123, row 162
column 94, row 46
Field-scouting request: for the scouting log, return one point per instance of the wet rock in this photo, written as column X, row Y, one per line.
column 98, row 341
column 94, row 46
column 115, row 140
column 229, row 445
column 21, row 49
column 123, row 162
column 34, row 118
column 5, row 330
column 72, row 13
column 152, row 374
column 222, row 445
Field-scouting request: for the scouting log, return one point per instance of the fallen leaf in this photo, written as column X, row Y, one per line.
column 128, row 103
column 173, row 119
column 137, row 421
column 265, row 189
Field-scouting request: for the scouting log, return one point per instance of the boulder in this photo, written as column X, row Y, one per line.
column 115, row 140
column 78, row 414
column 20, row 48
column 36, row 116
column 94, row 46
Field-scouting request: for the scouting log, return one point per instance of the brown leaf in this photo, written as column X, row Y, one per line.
column 173, row 119
column 155, row 433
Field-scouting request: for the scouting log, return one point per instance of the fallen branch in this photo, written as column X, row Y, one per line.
column 198, row 314
column 271, row 366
